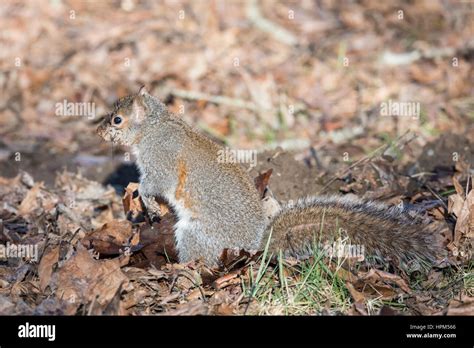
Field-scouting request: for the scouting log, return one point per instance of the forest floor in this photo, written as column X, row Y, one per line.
column 304, row 84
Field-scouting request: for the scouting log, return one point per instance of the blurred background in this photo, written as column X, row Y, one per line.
column 309, row 76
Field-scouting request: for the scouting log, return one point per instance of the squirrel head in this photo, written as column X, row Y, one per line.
column 124, row 124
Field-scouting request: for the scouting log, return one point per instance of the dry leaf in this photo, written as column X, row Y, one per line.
column 131, row 201
column 82, row 280
column 376, row 276
column 226, row 280
column 358, row 296
column 261, row 181
column 111, row 238
column 45, row 267
column 463, row 208
column 37, row 198
column 465, row 306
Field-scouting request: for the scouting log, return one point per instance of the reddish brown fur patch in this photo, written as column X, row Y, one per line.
column 182, row 176
column 180, row 193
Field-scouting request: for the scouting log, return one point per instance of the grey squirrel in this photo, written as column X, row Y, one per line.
column 217, row 204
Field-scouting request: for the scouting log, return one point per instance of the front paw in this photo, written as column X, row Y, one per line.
column 154, row 217
column 152, row 208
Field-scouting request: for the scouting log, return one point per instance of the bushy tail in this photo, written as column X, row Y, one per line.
column 395, row 235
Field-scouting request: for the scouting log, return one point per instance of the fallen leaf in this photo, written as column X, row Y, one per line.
column 464, row 306
column 224, row 309
column 158, row 242
column 386, row 311
column 261, row 181
column 112, row 238
column 376, row 276
column 131, row 202
column 463, row 207
column 233, row 257
column 82, row 280
column 358, row 296
column 226, row 280
column 196, row 307
column 45, row 267
column 36, row 199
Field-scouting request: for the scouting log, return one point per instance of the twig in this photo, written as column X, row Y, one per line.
column 436, row 195
column 216, row 99
column 467, row 181
column 185, row 275
column 287, row 145
column 278, row 32
column 390, row 58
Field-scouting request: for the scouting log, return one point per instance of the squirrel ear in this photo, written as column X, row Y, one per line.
column 138, row 110
column 143, row 91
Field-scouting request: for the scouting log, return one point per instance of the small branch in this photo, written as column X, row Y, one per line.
column 278, row 32
column 216, row 99
column 390, row 58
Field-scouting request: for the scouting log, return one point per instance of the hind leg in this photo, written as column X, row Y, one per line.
column 191, row 244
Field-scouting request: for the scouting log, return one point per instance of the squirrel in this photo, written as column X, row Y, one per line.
column 218, row 206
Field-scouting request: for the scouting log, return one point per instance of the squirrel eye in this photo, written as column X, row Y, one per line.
column 117, row 120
